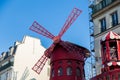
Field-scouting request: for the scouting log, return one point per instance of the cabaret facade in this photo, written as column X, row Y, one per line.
column 110, row 53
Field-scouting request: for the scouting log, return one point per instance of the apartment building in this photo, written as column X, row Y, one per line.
column 105, row 17
column 17, row 63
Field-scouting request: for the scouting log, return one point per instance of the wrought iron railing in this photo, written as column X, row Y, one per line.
column 6, row 66
column 101, row 5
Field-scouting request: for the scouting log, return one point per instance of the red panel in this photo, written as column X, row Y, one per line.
column 60, row 58
column 64, row 64
column 61, row 53
column 118, row 49
column 107, row 51
column 102, row 55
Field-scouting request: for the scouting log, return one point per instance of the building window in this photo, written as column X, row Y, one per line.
column 103, row 24
column 53, row 73
column 103, row 3
column 78, row 71
column 69, row 71
column 108, row 2
column 114, row 17
column 60, row 71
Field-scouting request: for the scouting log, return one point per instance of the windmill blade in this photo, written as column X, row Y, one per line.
column 68, row 46
column 71, row 18
column 49, row 50
column 41, row 30
column 73, row 49
column 40, row 64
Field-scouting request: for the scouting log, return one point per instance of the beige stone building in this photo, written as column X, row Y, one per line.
column 105, row 17
column 17, row 63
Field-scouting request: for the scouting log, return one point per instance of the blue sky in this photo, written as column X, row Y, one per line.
column 16, row 16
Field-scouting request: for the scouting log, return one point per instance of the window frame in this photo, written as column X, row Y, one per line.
column 60, row 71
column 78, row 72
column 114, row 18
column 103, row 24
column 69, row 71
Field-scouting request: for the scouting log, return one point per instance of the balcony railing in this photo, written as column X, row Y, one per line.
column 6, row 66
column 101, row 5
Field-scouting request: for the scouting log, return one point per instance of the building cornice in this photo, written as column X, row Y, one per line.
column 7, row 59
column 107, row 8
column 109, row 29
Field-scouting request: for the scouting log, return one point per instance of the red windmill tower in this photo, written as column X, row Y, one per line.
column 66, row 59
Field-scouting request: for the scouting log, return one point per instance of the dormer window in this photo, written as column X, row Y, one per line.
column 103, row 24
column 114, row 17
column 69, row 71
column 60, row 71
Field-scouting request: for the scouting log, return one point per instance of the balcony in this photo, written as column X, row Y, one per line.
column 6, row 66
column 102, row 6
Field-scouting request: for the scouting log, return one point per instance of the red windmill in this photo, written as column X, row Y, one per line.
column 56, row 39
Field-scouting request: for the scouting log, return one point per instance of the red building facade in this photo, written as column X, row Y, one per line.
column 110, row 53
column 68, row 65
